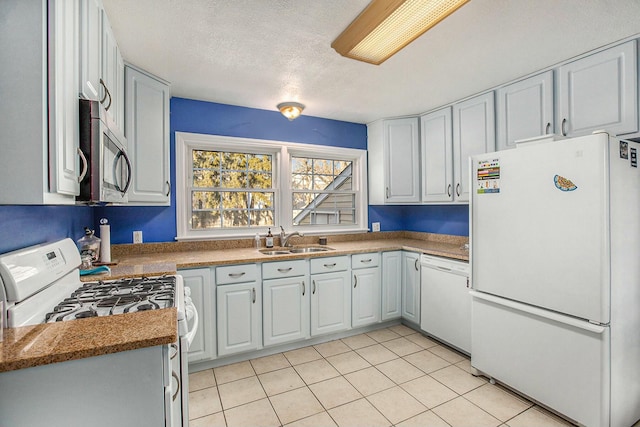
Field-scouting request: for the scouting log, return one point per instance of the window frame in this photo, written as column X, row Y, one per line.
column 282, row 152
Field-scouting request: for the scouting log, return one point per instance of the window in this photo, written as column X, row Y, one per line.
column 237, row 187
column 231, row 190
column 322, row 191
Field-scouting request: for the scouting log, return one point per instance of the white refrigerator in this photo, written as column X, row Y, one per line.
column 555, row 275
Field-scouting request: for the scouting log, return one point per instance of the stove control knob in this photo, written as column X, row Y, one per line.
column 188, row 301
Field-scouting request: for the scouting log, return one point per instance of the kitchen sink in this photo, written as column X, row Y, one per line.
column 307, row 250
column 295, row 250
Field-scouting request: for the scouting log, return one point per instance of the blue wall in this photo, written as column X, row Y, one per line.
column 22, row 226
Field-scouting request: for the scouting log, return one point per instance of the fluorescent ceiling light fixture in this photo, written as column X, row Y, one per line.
column 386, row 26
column 291, row 110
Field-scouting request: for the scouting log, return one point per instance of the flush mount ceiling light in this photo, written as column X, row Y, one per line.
column 386, row 26
column 291, row 110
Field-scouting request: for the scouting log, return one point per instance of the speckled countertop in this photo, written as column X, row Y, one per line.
column 166, row 258
column 30, row 346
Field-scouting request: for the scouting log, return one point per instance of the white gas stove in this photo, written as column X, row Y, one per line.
column 42, row 284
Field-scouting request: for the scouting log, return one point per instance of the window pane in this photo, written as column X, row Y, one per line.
column 259, row 162
column 339, row 166
column 261, row 200
column 205, row 219
column 323, row 208
column 260, row 180
column 261, row 218
column 206, row 178
column 234, row 161
column 206, row 159
column 234, row 200
column 206, row 200
column 235, row 218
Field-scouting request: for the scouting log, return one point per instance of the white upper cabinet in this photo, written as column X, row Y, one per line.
column 90, row 49
column 394, row 161
column 473, row 133
column 40, row 163
column 599, row 92
column 112, row 96
column 147, row 133
column 524, row 109
column 436, row 148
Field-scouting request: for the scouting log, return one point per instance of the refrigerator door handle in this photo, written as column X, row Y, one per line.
column 551, row 315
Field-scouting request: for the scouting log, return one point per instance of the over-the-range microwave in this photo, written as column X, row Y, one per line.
column 104, row 148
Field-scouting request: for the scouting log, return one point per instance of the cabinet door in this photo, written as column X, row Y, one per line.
column 437, row 156
column 524, row 110
column 64, row 164
column 112, row 76
column 365, row 298
column 90, row 49
column 402, row 164
column 285, row 310
column 446, row 307
column 391, row 285
column 147, row 133
column 599, row 92
column 411, row 287
column 239, row 318
column 330, row 303
column 473, row 133
column 203, row 297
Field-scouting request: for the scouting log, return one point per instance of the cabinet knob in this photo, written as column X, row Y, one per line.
column 355, row 281
column 449, row 190
column 285, row 270
column 314, row 287
column 303, row 288
column 253, row 293
column 415, row 264
column 458, row 189
column 548, row 130
column 564, row 127
column 236, row 275
column 387, row 191
column 169, row 190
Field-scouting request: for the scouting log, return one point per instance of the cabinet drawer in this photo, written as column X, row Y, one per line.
column 236, row 274
column 365, row 260
column 329, row 264
column 274, row 270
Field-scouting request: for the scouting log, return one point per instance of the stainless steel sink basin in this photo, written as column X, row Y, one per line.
column 276, row 252
column 295, row 250
column 307, row 250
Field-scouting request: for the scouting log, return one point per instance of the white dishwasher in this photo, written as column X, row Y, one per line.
column 445, row 301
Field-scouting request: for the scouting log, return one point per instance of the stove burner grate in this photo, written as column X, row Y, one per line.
column 104, row 298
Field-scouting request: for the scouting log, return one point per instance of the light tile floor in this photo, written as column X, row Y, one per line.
column 389, row 377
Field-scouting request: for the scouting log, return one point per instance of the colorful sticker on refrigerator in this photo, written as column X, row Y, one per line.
column 624, row 150
column 488, row 176
column 563, row 183
column 634, row 157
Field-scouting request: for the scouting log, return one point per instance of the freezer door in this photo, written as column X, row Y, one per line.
column 539, row 225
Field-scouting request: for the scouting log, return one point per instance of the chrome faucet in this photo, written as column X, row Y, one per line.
column 284, row 237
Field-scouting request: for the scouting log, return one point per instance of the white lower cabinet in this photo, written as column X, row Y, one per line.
column 286, row 302
column 239, row 307
column 411, row 287
column 330, row 295
column 203, row 296
column 365, row 293
column 391, row 285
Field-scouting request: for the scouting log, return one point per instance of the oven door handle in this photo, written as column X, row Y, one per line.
column 192, row 314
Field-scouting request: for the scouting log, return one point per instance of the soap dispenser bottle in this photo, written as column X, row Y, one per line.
column 268, row 241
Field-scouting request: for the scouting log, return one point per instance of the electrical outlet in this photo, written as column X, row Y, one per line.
column 137, row 237
column 375, row 226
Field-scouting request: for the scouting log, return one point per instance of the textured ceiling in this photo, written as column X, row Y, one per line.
column 257, row 53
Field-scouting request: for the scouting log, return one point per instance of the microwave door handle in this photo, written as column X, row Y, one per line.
column 126, row 158
column 116, row 161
